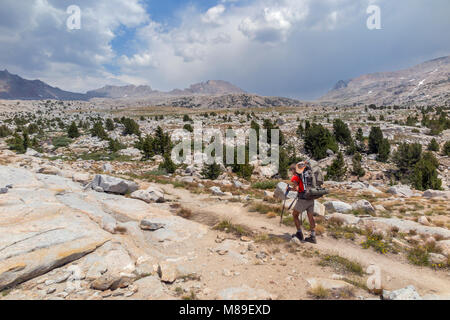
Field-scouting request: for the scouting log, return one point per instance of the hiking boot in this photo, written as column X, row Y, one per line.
column 299, row 235
column 311, row 239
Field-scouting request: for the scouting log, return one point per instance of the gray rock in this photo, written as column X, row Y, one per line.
column 114, row 185
column 345, row 218
column 337, row 206
column 3, row 190
column 408, row 293
column 363, row 205
column 436, row 194
column 401, row 190
column 216, row 191
column 148, row 225
column 151, row 194
column 280, row 192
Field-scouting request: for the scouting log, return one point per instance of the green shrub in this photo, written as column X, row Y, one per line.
column 425, row 174
column 211, row 171
column 375, row 139
column 131, row 127
column 384, row 150
column 4, row 131
column 115, row 145
column 446, row 149
column 357, row 168
column 62, row 141
column 433, row 145
column 16, row 143
column 342, row 132
column 265, row 185
column 73, row 132
column 109, row 125
column 168, row 165
column 337, row 170
column 418, row 256
column 98, row 131
column 318, row 140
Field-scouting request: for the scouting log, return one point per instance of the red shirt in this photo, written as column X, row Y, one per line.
column 299, row 181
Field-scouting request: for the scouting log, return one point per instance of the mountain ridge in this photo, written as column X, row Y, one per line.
column 427, row 82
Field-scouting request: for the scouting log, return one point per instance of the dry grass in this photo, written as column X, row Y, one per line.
column 319, row 292
column 184, row 213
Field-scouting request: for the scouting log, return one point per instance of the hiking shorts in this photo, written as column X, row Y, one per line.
column 304, row 205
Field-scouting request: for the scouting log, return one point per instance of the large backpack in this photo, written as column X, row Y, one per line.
column 313, row 181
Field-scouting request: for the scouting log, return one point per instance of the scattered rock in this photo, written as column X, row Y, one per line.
column 424, row 221
column 436, row 194
column 337, row 206
column 167, row 272
column 401, row 190
column 114, row 185
column 150, row 195
column 363, row 205
column 437, row 258
column 216, row 191
column 408, row 293
column 150, row 226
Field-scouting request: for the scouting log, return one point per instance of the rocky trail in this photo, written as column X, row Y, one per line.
column 61, row 239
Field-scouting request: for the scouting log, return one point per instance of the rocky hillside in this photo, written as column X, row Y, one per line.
column 210, row 87
column 425, row 83
column 14, row 87
column 229, row 101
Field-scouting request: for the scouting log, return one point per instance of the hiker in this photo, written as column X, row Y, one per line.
column 298, row 181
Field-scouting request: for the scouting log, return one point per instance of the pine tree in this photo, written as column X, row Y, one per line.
column 211, row 171
column 168, row 165
column 357, row 168
column 384, row 150
column 433, row 145
column 99, row 131
column 375, row 139
column 109, row 125
column 342, row 132
column 446, row 149
column 337, row 170
column 73, row 132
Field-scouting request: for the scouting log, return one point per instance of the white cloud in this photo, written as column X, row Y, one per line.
column 213, row 14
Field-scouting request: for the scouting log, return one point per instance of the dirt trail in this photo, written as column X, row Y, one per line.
column 396, row 271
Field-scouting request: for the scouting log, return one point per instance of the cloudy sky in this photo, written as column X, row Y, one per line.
column 294, row 48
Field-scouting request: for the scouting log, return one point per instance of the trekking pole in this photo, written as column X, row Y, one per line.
column 282, row 211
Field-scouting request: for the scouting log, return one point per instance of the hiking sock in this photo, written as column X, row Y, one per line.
column 313, row 233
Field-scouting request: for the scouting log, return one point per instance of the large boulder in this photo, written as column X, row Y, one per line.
column 401, row 190
column 151, row 194
column 345, row 218
column 319, row 209
column 337, row 206
column 363, row 205
column 408, row 293
column 436, row 194
column 113, row 185
column 280, row 192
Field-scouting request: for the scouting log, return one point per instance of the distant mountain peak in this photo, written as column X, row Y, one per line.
column 428, row 82
column 14, row 87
